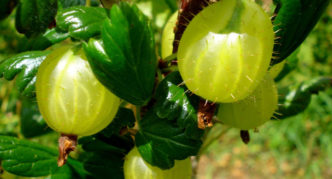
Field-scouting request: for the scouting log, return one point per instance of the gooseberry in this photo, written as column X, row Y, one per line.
column 225, row 51
column 136, row 167
column 70, row 98
column 254, row 110
column 167, row 37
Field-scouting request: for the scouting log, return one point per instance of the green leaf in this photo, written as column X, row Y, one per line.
column 63, row 4
column 161, row 141
column 124, row 118
column 81, row 22
column 25, row 66
column 169, row 131
column 294, row 20
column 25, row 158
column 174, row 104
column 34, row 16
column 77, row 168
column 105, row 165
column 32, row 122
column 43, row 41
column 295, row 100
column 290, row 65
column 6, row 7
column 125, row 61
column 105, row 153
column 62, row 173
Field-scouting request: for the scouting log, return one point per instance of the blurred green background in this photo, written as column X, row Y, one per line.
column 296, row 147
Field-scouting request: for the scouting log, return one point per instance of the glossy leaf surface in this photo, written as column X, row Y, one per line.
column 170, row 131
column 174, row 104
column 294, row 21
column 43, row 41
column 81, row 22
column 34, row 16
column 25, row 66
column 125, row 61
column 161, row 141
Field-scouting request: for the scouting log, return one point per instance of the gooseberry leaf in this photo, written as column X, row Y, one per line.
column 124, row 118
column 43, row 41
column 34, row 16
column 62, row 173
column 296, row 99
column 63, row 4
column 106, row 149
column 110, row 141
column 125, row 61
column 6, row 7
column 36, row 161
column 32, row 123
column 24, row 66
column 173, row 103
column 290, row 65
column 161, row 141
column 294, row 21
column 81, row 22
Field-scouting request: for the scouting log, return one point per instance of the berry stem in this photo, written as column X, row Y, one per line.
column 205, row 113
column 67, row 143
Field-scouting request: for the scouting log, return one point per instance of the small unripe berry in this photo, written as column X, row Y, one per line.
column 136, row 167
column 254, row 110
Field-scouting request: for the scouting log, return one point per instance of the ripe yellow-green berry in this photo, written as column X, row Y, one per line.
column 167, row 37
column 254, row 110
column 70, row 98
column 135, row 167
column 226, row 49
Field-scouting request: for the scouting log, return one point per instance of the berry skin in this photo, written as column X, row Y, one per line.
column 167, row 37
column 224, row 59
column 136, row 167
column 70, row 98
column 254, row 110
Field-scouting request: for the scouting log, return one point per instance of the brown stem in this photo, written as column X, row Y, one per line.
column 205, row 113
column 188, row 10
column 67, row 143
